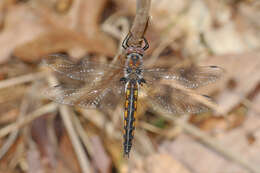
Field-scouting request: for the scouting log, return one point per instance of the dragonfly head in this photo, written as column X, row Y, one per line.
column 135, row 48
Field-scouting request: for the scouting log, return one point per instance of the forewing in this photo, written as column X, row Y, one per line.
column 174, row 101
column 85, row 70
column 98, row 96
column 190, row 76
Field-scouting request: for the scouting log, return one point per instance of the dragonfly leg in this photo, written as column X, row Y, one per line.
column 123, row 80
column 125, row 42
column 141, row 81
column 146, row 46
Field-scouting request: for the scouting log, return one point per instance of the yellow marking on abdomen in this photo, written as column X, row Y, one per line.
column 134, row 124
column 126, row 113
column 136, row 93
column 134, row 114
column 135, row 104
column 127, row 93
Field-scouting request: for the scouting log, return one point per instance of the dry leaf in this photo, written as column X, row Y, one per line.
column 34, row 160
column 77, row 32
column 100, row 159
column 67, row 162
column 197, row 157
column 158, row 163
column 20, row 26
column 43, row 140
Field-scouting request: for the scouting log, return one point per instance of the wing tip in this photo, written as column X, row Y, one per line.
column 221, row 69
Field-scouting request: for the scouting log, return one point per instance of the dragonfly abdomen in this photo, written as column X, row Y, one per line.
column 130, row 115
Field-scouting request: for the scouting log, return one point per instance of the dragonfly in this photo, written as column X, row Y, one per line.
column 105, row 82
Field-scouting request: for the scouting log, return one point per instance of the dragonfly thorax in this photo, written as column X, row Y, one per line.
column 134, row 67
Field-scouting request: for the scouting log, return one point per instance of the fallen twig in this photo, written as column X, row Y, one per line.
column 28, row 119
column 83, row 135
column 12, row 137
column 8, row 143
column 150, row 127
column 82, row 158
column 156, row 53
column 21, row 79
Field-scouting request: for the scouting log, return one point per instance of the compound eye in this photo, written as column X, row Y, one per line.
column 128, row 70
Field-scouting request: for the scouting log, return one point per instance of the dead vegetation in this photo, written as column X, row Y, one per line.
column 37, row 135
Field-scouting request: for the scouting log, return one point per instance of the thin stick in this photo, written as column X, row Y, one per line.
column 156, row 53
column 149, row 127
column 140, row 22
column 28, row 119
column 8, row 143
column 12, row 137
column 21, row 79
column 82, row 158
column 83, row 135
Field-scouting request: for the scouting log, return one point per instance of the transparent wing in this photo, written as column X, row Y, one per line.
column 174, row 101
column 101, row 95
column 191, row 76
column 85, row 70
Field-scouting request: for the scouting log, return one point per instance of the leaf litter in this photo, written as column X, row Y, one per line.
column 204, row 32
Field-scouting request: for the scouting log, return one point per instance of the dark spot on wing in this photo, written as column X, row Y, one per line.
column 56, row 86
column 213, row 66
column 208, row 97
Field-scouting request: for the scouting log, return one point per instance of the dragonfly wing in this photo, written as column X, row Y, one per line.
column 190, row 77
column 68, row 96
column 98, row 96
column 175, row 101
column 85, row 70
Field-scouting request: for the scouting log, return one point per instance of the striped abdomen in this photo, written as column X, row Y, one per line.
column 130, row 115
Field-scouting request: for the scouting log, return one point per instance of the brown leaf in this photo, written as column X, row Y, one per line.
column 199, row 158
column 254, row 108
column 54, row 41
column 20, row 26
column 42, row 138
column 67, row 162
column 158, row 163
column 220, row 124
column 100, row 159
column 9, row 116
column 78, row 31
column 34, row 160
